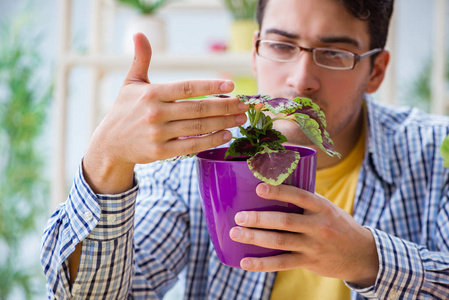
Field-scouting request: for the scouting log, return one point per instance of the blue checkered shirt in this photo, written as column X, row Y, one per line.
column 136, row 244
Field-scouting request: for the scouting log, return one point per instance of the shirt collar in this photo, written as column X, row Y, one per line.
column 378, row 148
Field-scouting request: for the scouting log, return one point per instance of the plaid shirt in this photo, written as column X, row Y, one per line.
column 136, row 244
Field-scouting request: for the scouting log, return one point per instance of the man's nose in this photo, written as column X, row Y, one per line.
column 304, row 74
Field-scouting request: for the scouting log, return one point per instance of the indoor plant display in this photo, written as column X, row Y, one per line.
column 147, row 22
column 225, row 175
column 244, row 24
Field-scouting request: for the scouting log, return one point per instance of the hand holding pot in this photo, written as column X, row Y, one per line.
column 146, row 121
column 325, row 240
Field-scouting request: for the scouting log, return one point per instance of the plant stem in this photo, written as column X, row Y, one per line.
column 257, row 117
column 271, row 121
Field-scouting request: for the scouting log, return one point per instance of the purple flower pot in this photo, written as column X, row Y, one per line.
column 228, row 187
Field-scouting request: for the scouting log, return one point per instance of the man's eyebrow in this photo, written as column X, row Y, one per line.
column 339, row 40
column 282, row 32
column 323, row 39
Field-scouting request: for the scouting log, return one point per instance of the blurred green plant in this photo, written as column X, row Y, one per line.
column 24, row 193
column 420, row 93
column 242, row 9
column 146, row 7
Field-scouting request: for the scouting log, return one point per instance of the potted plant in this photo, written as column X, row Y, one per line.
column 228, row 176
column 244, row 24
column 147, row 22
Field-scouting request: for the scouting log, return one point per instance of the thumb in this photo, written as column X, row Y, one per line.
column 142, row 58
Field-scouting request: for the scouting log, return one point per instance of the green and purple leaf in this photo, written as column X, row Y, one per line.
column 254, row 99
column 271, row 138
column 310, row 118
column 275, row 105
column 273, row 167
column 241, row 147
column 280, row 105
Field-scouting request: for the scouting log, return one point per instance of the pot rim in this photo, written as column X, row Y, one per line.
column 202, row 154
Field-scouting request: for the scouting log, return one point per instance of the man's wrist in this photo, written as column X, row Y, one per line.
column 368, row 263
column 105, row 176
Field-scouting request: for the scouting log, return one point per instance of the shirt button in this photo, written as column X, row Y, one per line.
column 88, row 216
column 112, row 218
column 393, row 295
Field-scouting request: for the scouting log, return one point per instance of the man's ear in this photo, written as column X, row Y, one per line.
column 378, row 73
column 253, row 53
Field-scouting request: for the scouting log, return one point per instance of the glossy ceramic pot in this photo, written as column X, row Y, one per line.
column 228, row 187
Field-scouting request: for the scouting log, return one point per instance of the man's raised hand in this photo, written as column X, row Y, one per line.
column 146, row 121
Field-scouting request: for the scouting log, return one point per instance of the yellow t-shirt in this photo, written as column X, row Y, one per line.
column 337, row 183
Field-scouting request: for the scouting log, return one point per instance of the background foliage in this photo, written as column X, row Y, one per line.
column 242, row 9
column 145, row 6
column 24, row 191
column 420, row 91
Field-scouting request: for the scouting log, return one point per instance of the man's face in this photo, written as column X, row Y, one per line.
column 315, row 23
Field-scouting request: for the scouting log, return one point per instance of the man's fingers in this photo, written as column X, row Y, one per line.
column 291, row 194
column 281, row 262
column 203, row 108
column 268, row 239
column 189, row 88
column 276, row 221
column 141, row 63
column 186, row 128
column 177, row 147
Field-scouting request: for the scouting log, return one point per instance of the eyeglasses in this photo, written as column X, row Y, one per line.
column 327, row 58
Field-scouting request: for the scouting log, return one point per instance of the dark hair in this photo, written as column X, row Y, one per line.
column 376, row 12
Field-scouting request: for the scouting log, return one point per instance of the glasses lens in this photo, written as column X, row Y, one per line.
column 277, row 51
column 336, row 59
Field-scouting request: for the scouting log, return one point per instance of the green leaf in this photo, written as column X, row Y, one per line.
column 444, row 149
column 273, row 167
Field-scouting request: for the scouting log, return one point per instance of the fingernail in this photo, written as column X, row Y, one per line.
column 240, row 218
column 235, row 233
column 227, row 136
column 261, row 189
column 245, row 263
column 227, row 86
column 240, row 119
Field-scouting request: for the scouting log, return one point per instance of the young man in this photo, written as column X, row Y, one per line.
column 379, row 219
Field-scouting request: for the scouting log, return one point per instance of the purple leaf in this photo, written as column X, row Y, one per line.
column 273, row 167
column 280, row 105
column 221, row 96
column 272, row 138
column 254, row 99
column 241, row 147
